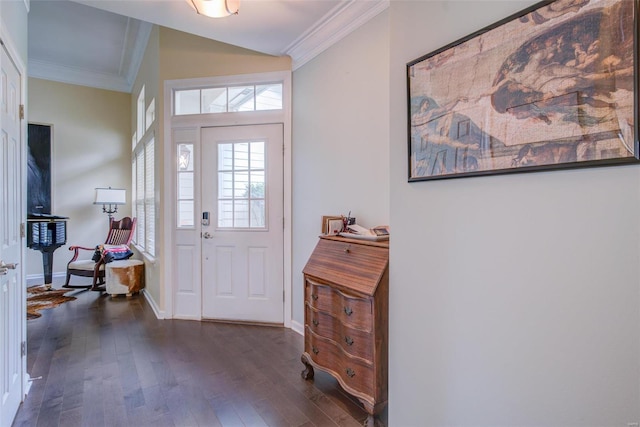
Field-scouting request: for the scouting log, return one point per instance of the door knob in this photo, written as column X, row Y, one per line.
column 207, row 235
column 11, row 266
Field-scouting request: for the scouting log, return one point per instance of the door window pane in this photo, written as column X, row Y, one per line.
column 241, row 185
column 241, row 156
column 257, row 219
column 257, row 155
column 225, row 213
column 241, row 214
column 257, row 185
column 185, row 157
column 225, row 157
column 225, row 185
column 185, row 214
column 186, row 186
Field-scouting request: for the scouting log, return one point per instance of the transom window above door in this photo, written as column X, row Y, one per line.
column 258, row 97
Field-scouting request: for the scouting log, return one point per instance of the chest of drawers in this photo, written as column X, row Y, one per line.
column 346, row 285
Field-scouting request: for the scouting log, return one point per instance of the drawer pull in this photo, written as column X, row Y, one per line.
column 315, row 350
column 314, row 297
column 348, row 340
column 350, row 372
column 348, row 311
column 315, row 322
column 347, row 249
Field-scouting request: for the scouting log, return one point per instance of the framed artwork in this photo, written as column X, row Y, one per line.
column 553, row 86
column 39, row 169
column 331, row 224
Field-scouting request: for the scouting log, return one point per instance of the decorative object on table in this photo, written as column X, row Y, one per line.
column 553, row 86
column 355, row 231
column 43, row 297
column 110, row 199
column 120, row 233
column 124, row 277
column 346, row 285
column 46, row 233
column 331, row 223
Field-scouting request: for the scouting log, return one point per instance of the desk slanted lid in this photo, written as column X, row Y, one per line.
column 353, row 265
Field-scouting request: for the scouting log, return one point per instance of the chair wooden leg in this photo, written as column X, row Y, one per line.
column 67, row 285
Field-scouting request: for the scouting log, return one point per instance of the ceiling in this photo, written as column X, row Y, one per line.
column 100, row 43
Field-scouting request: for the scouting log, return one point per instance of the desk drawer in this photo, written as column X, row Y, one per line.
column 355, row 373
column 356, row 342
column 352, row 311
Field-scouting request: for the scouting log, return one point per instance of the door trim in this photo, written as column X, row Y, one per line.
column 168, row 237
column 9, row 45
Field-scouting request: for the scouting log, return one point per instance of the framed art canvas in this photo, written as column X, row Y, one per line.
column 39, row 169
column 554, row 86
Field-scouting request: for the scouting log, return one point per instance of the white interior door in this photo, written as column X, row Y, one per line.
column 12, row 300
column 242, row 247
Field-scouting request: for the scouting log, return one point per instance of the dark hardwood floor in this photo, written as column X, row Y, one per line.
column 102, row 361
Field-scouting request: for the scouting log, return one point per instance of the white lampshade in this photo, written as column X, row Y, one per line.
column 110, row 196
column 215, row 8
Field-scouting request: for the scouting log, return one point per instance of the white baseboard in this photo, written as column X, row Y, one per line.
column 160, row 314
column 152, row 303
column 297, row 327
column 38, row 279
column 27, row 384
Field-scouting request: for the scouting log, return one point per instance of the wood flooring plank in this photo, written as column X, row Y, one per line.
column 110, row 362
column 178, row 406
column 155, row 402
column 225, row 412
column 71, row 417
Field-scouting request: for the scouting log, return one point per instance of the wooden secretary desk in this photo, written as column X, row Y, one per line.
column 346, row 328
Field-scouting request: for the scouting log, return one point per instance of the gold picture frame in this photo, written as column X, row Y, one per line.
column 329, row 223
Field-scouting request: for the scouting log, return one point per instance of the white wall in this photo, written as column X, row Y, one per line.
column 514, row 299
column 340, row 140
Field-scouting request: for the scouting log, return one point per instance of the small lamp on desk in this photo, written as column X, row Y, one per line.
column 110, row 198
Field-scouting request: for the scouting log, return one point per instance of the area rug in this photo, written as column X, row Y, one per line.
column 40, row 297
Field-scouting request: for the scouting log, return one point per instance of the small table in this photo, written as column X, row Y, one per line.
column 124, row 277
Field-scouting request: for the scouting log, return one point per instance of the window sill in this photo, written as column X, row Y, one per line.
column 147, row 257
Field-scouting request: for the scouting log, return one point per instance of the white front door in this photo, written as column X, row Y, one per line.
column 12, row 298
column 242, row 247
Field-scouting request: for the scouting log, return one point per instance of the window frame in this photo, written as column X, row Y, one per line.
column 227, row 89
column 144, row 198
column 144, row 177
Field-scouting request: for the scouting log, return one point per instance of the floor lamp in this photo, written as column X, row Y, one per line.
column 110, row 198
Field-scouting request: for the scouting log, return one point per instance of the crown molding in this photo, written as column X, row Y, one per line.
column 139, row 47
column 335, row 25
column 76, row 76
column 132, row 53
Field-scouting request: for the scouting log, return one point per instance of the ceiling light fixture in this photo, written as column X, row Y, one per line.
column 215, row 8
